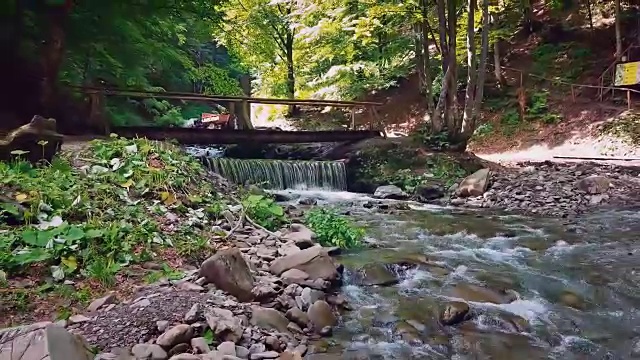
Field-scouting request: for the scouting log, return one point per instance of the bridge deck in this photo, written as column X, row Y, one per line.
column 208, row 136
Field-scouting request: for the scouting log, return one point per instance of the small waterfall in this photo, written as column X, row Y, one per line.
column 282, row 174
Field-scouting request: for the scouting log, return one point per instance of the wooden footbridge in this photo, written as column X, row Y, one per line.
column 239, row 112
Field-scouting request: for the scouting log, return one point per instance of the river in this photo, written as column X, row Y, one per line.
column 538, row 288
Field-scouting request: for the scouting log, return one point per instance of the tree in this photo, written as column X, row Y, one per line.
column 618, row 32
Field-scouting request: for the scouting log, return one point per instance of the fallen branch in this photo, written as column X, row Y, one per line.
column 243, row 217
column 238, row 224
column 255, row 224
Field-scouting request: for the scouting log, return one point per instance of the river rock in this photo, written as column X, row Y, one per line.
column 307, row 201
column 321, row 315
column 149, row 352
column 228, row 270
column 200, row 345
column 268, row 319
column 225, row 326
column 185, row 356
column 301, row 235
column 294, row 276
column 298, row 316
column 408, row 333
column 314, row 261
column 454, row 312
column 227, row 348
column 98, row 303
column 390, row 192
column 42, row 341
column 310, row 296
column 594, row 184
column 377, row 274
column 477, row 293
column 428, row 192
column 571, row 299
column 475, row 184
column 178, row 334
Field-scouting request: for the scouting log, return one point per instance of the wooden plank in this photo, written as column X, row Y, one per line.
column 598, row 158
column 225, row 136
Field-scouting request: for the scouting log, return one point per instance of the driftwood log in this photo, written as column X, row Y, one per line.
column 38, row 140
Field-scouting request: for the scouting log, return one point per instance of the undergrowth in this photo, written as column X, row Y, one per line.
column 333, row 229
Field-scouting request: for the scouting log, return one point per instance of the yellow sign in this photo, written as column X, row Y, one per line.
column 627, row 73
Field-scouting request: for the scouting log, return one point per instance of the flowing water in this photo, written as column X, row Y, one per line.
column 578, row 286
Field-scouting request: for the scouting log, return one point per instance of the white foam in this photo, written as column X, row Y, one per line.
column 530, row 310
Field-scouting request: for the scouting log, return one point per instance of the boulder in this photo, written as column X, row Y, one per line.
column 224, row 325
column 228, row 270
column 454, row 312
column 321, row 315
column 269, row 319
column 376, row 274
column 298, row 316
column 594, row 184
column 390, row 192
column 477, row 293
column 294, row 275
column 149, row 352
column 314, row 261
column 37, row 140
column 475, row 184
column 428, row 192
column 176, row 335
column 301, row 236
column 42, row 341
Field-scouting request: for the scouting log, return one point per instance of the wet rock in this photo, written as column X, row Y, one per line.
column 571, row 299
column 268, row 319
column 635, row 349
column 390, row 192
column 178, row 334
column 320, row 315
column 297, row 316
column 225, row 326
column 228, row 270
column 475, row 184
column 377, row 274
column 314, row 261
column 301, row 236
column 454, row 312
column 307, row 201
column 428, row 192
column 149, row 352
column 408, row 333
column 477, row 293
column 594, row 184
column 42, row 341
column 98, row 303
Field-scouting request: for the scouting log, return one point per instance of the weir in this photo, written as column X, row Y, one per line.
column 282, row 174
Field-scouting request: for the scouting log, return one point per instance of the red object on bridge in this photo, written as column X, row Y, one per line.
column 217, row 120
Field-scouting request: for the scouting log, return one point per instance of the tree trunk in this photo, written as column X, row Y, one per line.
column 53, row 51
column 436, row 116
column 618, row 33
column 291, row 79
column 497, row 66
column 453, row 124
column 442, row 32
column 428, row 82
column 528, row 15
column 482, row 71
column 467, row 114
column 419, row 58
column 590, row 14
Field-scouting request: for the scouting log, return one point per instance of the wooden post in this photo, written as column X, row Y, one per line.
column 371, row 117
column 379, row 121
column 232, row 112
column 573, row 94
column 353, row 118
column 629, row 99
column 97, row 120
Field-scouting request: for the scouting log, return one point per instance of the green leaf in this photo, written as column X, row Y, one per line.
column 208, row 336
column 276, row 210
column 74, row 234
column 36, row 238
column 30, row 256
column 93, row 233
column 70, row 263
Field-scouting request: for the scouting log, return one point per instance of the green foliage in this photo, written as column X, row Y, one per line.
column 483, row 130
column 264, row 211
column 95, row 219
column 333, row 229
column 538, row 108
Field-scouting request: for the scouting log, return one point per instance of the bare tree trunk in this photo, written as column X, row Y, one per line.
column 471, row 67
column 426, row 59
column 482, row 71
column 53, row 51
column 618, row 33
column 450, row 107
column 291, row 79
column 436, row 117
column 528, row 15
column 497, row 66
column 419, row 57
column 442, row 32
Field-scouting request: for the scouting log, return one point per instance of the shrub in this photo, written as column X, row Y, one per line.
column 264, row 211
column 333, row 229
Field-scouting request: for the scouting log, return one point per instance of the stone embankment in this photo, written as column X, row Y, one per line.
column 264, row 296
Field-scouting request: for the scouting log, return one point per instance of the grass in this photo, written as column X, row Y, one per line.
column 626, row 127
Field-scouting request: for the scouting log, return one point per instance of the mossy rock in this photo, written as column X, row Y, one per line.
column 38, row 140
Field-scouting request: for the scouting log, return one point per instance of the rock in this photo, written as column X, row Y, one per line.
column 307, row 201
column 301, row 235
column 193, row 314
column 149, row 352
column 162, row 325
column 224, row 325
column 408, row 333
column 98, row 303
column 268, row 319
column 228, row 270
column 77, row 319
column 390, row 192
column 454, row 312
column 477, row 293
column 264, row 355
column 185, row 356
column 42, row 341
column 475, row 184
column 288, row 355
column 428, row 192
column 200, row 345
column 27, row 138
column 314, row 261
column 571, row 299
column 376, row 274
column 294, row 275
column 178, row 334
column 189, row 286
column 242, row 352
column 298, row 316
column 227, row 348
column 264, row 292
column 272, row 343
column 594, row 184
column 320, row 315
column 635, row 350
column 141, row 303
column 310, row 296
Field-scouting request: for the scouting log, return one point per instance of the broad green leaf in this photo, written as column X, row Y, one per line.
column 36, row 238
column 93, row 233
column 30, row 256
column 70, row 262
column 74, row 233
column 276, row 210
